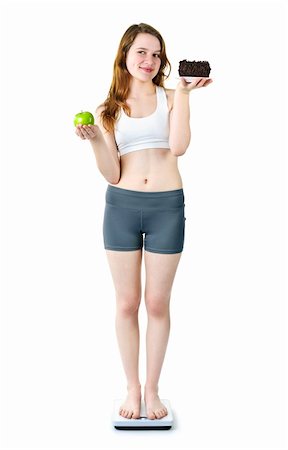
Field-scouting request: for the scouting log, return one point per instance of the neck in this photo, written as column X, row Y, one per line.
column 141, row 89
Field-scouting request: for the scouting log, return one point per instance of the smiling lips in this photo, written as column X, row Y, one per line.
column 147, row 69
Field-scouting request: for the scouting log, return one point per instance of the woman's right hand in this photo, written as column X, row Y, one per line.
column 87, row 131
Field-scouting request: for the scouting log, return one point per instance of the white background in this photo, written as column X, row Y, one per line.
column 226, row 362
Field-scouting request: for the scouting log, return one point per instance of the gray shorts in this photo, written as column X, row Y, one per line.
column 134, row 217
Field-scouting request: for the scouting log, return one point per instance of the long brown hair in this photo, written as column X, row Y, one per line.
column 119, row 88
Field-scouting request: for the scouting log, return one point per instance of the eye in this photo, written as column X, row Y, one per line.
column 157, row 56
column 141, row 52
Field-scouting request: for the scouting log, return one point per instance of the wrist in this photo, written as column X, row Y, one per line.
column 182, row 90
column 98, row 134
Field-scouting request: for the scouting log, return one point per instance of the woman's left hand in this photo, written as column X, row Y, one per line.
column 198, row 82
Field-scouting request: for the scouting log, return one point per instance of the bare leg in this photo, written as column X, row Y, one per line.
column 126, row 273
column 160, row 273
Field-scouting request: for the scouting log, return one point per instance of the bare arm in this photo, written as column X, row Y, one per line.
column 180, row 133
column 104, row 148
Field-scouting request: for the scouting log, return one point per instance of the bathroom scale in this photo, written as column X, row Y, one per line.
column 143, row 423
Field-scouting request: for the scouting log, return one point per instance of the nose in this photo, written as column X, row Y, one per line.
column 149, row 60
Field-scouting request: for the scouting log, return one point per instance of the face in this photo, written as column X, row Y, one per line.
column 143, row 58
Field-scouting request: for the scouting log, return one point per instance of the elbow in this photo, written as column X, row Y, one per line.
column 113, row 178
column 111, row 175
column 178, row 150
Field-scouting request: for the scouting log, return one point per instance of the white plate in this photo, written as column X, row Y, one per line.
column 190, row 79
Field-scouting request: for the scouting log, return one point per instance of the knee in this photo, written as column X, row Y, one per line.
column 157, row 305
column 128, row 305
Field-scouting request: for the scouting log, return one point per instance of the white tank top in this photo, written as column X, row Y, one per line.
column 132, row 134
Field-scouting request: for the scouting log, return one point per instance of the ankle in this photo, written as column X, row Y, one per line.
column 134, row 387
column 151, row 388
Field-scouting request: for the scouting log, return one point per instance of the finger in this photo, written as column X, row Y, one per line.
column 195, row 82
column 201, row 82
column 208, row 82
column 80, row 132
column 90, row 132
column 86, row 131
column 204, row 82
column 77, row 131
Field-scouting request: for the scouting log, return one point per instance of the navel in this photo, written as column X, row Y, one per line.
column 145, row 180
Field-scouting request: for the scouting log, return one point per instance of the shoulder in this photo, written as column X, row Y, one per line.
column 98, row 113
column 99, row 122
column 170, row 97
column 99, row 109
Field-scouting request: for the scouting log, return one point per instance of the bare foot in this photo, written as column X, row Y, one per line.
column 154, row 408
column 131, row 407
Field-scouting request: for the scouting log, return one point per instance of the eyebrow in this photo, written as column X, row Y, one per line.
column 143, row 48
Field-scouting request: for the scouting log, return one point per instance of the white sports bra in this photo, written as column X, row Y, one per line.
column 135, row 133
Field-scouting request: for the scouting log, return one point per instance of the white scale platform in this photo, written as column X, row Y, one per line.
column 143, row 423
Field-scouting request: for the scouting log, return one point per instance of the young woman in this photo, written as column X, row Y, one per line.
column 140, row 131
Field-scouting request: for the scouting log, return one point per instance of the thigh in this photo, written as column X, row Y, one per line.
column 160, row 273
column 121, row 228
column 165, row 230
column 125, row 269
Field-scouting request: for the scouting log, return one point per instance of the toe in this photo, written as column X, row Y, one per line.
column 158, row 414
column 135, row 415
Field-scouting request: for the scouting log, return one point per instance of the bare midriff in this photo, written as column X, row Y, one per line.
column 150, row 170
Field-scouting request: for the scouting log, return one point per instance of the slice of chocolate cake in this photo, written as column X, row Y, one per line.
column 194, row 68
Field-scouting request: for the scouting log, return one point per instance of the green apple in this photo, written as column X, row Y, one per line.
column 84, row 118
